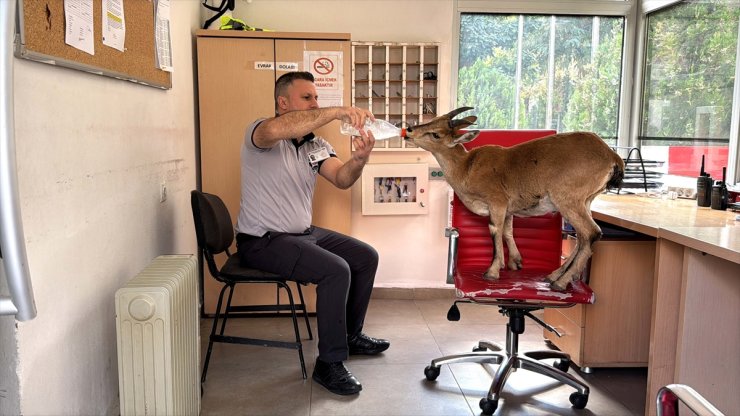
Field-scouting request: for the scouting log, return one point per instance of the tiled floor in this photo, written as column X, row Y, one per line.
column 252, row 380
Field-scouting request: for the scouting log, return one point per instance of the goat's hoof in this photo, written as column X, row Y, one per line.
column 488, row 276
column 552, row 279
column 558, row 286
column 515, row 265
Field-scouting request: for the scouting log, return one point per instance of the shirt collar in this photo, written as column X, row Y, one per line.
column 307, row 138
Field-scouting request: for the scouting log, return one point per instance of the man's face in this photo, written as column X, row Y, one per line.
column 301, row 96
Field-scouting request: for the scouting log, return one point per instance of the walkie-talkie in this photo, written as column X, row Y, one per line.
column 703, row 187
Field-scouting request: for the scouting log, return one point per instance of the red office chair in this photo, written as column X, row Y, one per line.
column 516, row 293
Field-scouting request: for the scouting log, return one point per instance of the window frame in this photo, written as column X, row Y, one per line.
column 733, row 157
column 635, row 14
column 611, row 8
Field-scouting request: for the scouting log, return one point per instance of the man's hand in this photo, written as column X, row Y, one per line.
column 344, row 175
column 363, row 145
column 356, row 117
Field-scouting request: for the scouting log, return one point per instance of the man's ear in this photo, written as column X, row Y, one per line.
column 282, row 102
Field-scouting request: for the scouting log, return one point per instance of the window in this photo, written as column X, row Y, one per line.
column 542, row 71
column 687, row 103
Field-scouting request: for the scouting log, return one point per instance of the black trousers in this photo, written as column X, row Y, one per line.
column 342, row 267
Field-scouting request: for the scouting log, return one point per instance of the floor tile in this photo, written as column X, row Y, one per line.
column 258, row 380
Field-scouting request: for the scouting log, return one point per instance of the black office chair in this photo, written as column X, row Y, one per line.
column 215, row 233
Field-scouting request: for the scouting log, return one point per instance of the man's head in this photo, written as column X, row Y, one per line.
column 295, row 91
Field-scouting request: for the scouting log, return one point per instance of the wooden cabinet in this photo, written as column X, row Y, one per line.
column 615, row 330
column 397, row 82
column 236, row 78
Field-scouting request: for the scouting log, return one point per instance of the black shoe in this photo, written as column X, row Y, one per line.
column 362, row 344
column 336, row 378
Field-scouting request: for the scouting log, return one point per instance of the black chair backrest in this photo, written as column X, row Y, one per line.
column 213, row 227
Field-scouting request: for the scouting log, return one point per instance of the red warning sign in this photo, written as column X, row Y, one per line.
column 323, row 66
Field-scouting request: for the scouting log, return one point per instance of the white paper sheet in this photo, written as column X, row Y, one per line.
column 163, row 39
column 79, row 32
column 114, row 24
column 327, row 68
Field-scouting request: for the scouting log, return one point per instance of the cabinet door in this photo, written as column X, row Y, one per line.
column 232, row 94
column 332, row 207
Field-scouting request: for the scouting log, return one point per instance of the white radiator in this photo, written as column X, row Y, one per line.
column 158, row 339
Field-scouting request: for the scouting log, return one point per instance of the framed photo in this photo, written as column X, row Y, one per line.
column 395, row 189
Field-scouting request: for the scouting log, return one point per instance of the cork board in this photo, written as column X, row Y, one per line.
column 41, row 31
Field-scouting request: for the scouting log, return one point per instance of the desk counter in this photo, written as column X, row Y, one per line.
column 648, row 215
column 694, row 331
column 682, row 221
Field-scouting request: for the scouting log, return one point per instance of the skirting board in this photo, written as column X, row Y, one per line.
column 417, row 293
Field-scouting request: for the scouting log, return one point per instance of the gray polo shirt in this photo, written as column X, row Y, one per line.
column 277, row 184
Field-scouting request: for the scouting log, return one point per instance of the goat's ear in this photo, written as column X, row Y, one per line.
column 468, row 136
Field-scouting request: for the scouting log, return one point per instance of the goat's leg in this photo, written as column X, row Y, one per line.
column 496, row 221
column 587, row 233
column 515, row 258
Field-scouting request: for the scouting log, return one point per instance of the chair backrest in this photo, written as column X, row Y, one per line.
column 539, row 239
column 213, row 227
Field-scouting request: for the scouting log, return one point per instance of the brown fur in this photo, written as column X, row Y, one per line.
column 562, row 172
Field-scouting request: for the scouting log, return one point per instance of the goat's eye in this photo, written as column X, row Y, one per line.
column 435, row 135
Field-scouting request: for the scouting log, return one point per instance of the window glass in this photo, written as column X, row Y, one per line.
column 542, row 71
column 688, row 88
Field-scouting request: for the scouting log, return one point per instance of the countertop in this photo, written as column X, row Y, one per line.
column 710, row 231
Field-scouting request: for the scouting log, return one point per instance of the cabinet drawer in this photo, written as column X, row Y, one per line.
column 572, row 340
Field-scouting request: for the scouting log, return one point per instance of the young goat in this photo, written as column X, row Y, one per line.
column 563, row 172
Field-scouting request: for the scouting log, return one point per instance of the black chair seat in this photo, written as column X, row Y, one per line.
column 233, row 270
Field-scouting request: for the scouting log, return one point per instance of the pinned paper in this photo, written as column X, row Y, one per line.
column 78, row 19
column 114, row 24
column 162, row 37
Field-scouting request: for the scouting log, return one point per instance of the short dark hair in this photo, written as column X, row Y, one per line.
column 285, row 80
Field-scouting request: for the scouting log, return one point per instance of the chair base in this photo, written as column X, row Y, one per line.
column 509, row 359
column 231, row 311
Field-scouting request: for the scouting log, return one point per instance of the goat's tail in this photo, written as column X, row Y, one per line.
column 615, row 181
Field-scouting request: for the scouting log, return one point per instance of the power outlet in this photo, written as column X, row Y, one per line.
column 163, row 192
column 436, row 174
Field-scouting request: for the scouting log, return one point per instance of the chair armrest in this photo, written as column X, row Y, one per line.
column 669, row 396
column 452, row 234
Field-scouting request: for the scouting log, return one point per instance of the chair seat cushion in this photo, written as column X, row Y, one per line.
column 519, row 285
column 234, row 271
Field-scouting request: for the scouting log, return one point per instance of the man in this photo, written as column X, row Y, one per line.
column 280, row 157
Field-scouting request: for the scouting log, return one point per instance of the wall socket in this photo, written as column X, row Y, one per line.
column 436, row 174
column 163, row 192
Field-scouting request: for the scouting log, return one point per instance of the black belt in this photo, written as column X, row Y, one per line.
column 243, row 238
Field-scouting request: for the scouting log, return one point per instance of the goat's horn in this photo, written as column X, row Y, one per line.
column 453, row 113
column 460, row 122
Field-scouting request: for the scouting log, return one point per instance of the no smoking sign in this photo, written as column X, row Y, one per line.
column 323, row 66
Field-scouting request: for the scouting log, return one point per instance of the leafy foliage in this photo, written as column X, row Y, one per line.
column 585, row 75
column 690, row 71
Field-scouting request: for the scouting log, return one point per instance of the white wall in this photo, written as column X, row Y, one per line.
column 92, row 152
column 413, row 249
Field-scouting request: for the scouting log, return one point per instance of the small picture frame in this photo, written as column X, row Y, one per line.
column 395, row 189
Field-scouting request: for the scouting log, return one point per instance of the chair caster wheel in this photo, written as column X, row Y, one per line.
column 578, row 400
column 488, row 407
column 562, row 365
column 431, row 372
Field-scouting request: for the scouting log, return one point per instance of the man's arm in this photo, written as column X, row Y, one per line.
column 297, row 124
column 343, row 175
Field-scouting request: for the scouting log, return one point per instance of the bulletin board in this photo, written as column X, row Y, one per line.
column 40, row 34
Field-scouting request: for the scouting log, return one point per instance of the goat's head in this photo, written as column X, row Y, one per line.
column 443, row 132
